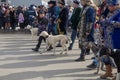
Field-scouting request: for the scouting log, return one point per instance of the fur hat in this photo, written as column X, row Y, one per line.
column 52, row 2
column 76, row 2
column 86, row 1
column 61, row 2
column 112, row 2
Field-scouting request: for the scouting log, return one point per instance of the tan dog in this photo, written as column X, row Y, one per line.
column 34, row 31
column 52, row 40
column 118, row 76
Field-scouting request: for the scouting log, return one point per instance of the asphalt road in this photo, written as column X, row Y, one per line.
column 19, row 62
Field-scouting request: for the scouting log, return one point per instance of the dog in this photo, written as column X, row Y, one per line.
column 17, row 28
column 96, row 49
column 52, row 40
column 34, row 31
column 118, row 76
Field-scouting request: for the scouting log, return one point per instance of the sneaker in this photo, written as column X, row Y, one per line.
column 34, row 49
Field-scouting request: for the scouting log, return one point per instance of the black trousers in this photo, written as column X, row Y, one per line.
column 40, row 41
column 22, row 25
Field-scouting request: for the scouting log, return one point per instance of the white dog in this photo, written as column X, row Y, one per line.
column 52, row 40
column 34, row 31
column 17, row 28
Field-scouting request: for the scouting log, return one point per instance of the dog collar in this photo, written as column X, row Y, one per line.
column 47, row 36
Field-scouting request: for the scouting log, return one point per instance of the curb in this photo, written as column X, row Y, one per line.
column 15, row 32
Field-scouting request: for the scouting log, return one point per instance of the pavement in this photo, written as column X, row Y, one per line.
column 19, row 62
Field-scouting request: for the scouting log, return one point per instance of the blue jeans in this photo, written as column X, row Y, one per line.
column 106, row 60
column 51, row 29
column 73, row 37
column 96, row 62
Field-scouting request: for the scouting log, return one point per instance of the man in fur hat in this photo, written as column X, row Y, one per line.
column 85, row 27
column 51, row 16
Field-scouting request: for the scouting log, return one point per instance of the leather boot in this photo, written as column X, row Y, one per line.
column 80, row 59
column 35, row 49
column 82, row 56
column 108, row 72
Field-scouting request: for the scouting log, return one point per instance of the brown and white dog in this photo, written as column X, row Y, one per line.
column 52, row 40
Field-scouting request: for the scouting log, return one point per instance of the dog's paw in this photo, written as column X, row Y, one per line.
column 65, row 50
column 66, row 54
column 41, row 52
column 61, row 53
column 103, row 69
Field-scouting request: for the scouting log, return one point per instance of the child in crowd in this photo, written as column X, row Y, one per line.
column 21, row 20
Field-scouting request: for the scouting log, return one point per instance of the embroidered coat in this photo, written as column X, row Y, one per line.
column 112, row 30
column 87, row 19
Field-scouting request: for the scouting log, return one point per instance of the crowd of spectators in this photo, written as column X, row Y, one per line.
column 21, row 16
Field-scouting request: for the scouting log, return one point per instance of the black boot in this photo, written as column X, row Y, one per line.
column 80, row 59
column 82, row 55
column 39, row 43
column 88, row 51
column 35, row 49
column 59, row 45
column 50, row 48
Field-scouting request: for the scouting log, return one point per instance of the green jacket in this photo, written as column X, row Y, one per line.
column 75, row 17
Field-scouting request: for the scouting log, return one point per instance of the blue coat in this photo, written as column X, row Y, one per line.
column 116, row 32
column 112, row 32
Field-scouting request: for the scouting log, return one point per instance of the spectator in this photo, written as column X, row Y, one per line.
column 31, row 14
column 85, row 28
column 7, row 18
column 74, row 20
column 1, row 17
column 51, row 16
column 12, row 17
column 63, row 17
column 21, row 20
